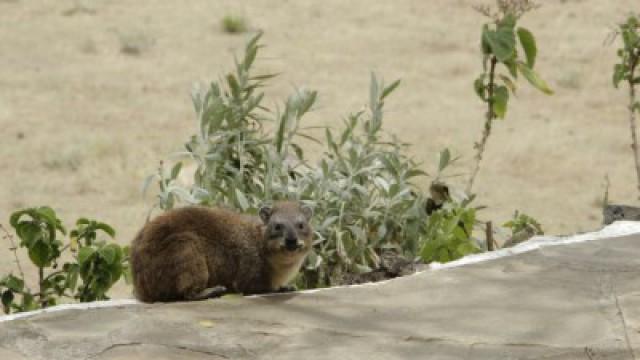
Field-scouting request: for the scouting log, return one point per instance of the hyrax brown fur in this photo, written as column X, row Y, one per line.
column 193, row 253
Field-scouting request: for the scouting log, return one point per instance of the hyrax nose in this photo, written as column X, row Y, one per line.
column 291, row 243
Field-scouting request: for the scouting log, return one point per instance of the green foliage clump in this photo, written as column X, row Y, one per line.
column 523, row 227
column 626, row 70
column 449, row 234
column 629, row 53
column 499, row 45
column 241, row 162
column 524, row 223
column 95, row 268
column 361, row 189
column 363, row 192
column 234, row 24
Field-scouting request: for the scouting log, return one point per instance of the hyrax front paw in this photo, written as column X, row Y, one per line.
column 209, row 293
column 286, row 289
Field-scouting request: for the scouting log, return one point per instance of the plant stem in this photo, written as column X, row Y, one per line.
column 632, row 117
column 54, row 274
column 605, row 198
column 43, row 302
column 14, row 249
column 489, row 234
column 480, row 147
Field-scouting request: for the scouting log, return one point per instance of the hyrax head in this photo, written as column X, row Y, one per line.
column 287, row 226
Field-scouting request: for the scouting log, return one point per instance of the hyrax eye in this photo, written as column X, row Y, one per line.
column 300, row 225
column 277, row 227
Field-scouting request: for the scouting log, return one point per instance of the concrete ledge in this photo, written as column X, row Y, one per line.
column 580, row 300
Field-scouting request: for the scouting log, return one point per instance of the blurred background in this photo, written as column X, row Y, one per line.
column 93, row 94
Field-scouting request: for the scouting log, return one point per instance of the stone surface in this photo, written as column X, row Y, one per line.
column 575, row 301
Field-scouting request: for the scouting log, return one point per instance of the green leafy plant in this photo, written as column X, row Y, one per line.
column 99, row 264
column 499, row 44
column 363, row 192
column 524, row 222
column 448, row 234
column 361, row 188
column 449, row 229
column 95, row 267
column 240, row 161
column 523, row 227
column 626, row 70
column 234, row 24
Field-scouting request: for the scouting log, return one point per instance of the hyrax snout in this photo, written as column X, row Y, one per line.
column 193, row 253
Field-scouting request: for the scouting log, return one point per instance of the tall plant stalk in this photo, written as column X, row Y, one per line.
column 499, row 43
column 41, row 288
column 489, row 117
column 629, row 55
column 13, row 248
column 632, row 117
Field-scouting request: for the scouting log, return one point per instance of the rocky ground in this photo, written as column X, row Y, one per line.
column 572, row 301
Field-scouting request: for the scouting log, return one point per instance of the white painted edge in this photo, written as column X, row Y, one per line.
column 617, row 229
column 75, row 306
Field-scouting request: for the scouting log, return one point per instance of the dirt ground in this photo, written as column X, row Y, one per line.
column 82, row 122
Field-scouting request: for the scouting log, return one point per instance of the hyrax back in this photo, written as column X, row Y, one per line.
column 195, row 252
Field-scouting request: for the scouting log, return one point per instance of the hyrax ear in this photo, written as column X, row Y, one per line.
column 307, row 211
column 265, row 213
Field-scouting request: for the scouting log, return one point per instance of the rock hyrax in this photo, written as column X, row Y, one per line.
column 193, row 253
